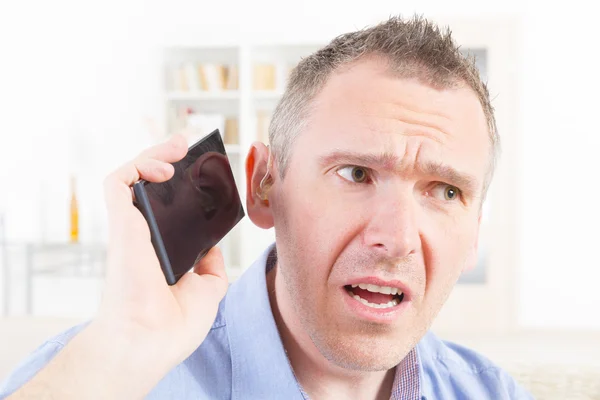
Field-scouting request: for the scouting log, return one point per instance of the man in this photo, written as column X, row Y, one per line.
column 382, row 149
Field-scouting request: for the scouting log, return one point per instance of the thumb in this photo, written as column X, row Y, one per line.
column 199, row 293
column 212, row 264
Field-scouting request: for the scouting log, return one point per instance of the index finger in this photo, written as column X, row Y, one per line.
column 117, row 185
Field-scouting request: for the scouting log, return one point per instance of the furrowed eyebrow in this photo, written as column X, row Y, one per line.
column 450, row 175
column 384, row 160
column 391, row 162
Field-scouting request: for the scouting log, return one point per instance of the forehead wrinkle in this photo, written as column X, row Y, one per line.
column 434, row 123
column 408, row 130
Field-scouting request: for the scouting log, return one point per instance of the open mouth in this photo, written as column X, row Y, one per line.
column 375, row 296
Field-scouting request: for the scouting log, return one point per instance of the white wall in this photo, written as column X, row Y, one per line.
column 91, row 71
column 561, row 213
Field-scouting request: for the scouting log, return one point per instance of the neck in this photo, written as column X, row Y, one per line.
column 318, row 377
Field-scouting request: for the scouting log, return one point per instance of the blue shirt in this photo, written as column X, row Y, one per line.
column 243, row 358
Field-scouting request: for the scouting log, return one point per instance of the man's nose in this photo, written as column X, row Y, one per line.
column 393, row 228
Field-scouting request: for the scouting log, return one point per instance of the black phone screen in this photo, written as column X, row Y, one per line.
column 198, row 206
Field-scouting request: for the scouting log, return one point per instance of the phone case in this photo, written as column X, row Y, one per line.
column 143, row 203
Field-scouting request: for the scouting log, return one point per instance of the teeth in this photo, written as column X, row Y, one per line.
column 378, row 289
column 385, row 290
column 389, row 304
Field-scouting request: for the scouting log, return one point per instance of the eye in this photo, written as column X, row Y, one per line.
column 451, row 193
column 354, row 174
column 446, row 192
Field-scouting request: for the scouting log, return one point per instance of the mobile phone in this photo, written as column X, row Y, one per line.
column 191, row 212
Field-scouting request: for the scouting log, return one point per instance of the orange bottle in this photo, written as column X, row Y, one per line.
column 74, row 213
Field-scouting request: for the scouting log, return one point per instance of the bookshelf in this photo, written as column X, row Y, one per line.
column 485, row 298
column 234, row 89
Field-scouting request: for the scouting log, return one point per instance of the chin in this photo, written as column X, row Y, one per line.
column 362, row 352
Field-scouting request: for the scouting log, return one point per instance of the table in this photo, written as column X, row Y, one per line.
column 49, row 259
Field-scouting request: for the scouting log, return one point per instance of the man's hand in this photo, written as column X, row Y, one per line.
column 144, row 327
column 137, row 299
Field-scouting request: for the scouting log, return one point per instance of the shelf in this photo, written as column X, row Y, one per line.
column 266, row 99
column 267, row 94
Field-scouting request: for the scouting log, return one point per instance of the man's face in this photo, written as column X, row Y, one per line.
column 383, row 188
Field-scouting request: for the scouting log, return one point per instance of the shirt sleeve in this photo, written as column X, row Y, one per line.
column 37, row 360
column 29, row 367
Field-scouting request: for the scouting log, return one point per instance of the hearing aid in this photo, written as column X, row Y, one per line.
column 265, row 182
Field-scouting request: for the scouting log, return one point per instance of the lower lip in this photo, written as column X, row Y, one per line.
column 379, row 315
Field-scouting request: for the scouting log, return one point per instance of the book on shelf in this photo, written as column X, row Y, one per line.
column 271, row 76
column 263, row 120
column 195, row 76
column 213, row 77
column 265, row 76
column 231, row 77
column 231, row 134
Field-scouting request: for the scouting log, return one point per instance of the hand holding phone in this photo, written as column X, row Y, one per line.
column 143, row 322
column 191, row 212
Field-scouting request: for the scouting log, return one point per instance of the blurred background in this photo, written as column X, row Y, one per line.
column 85, row 86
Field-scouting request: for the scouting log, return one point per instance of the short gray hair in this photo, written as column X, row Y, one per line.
column 414, row 48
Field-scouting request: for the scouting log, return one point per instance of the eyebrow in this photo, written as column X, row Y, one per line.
column 391, row 162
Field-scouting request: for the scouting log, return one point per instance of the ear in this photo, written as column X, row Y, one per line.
column 212, row 179
column 473, row 255
column 257, row 202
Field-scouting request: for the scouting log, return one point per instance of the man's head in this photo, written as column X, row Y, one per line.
column 384, row 144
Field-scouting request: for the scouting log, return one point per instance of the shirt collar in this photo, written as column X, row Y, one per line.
column 259, row 364
column 407, row 379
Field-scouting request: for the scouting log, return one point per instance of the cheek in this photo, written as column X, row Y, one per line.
column 446, row 249
column 311, row 229
column 314, row 229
